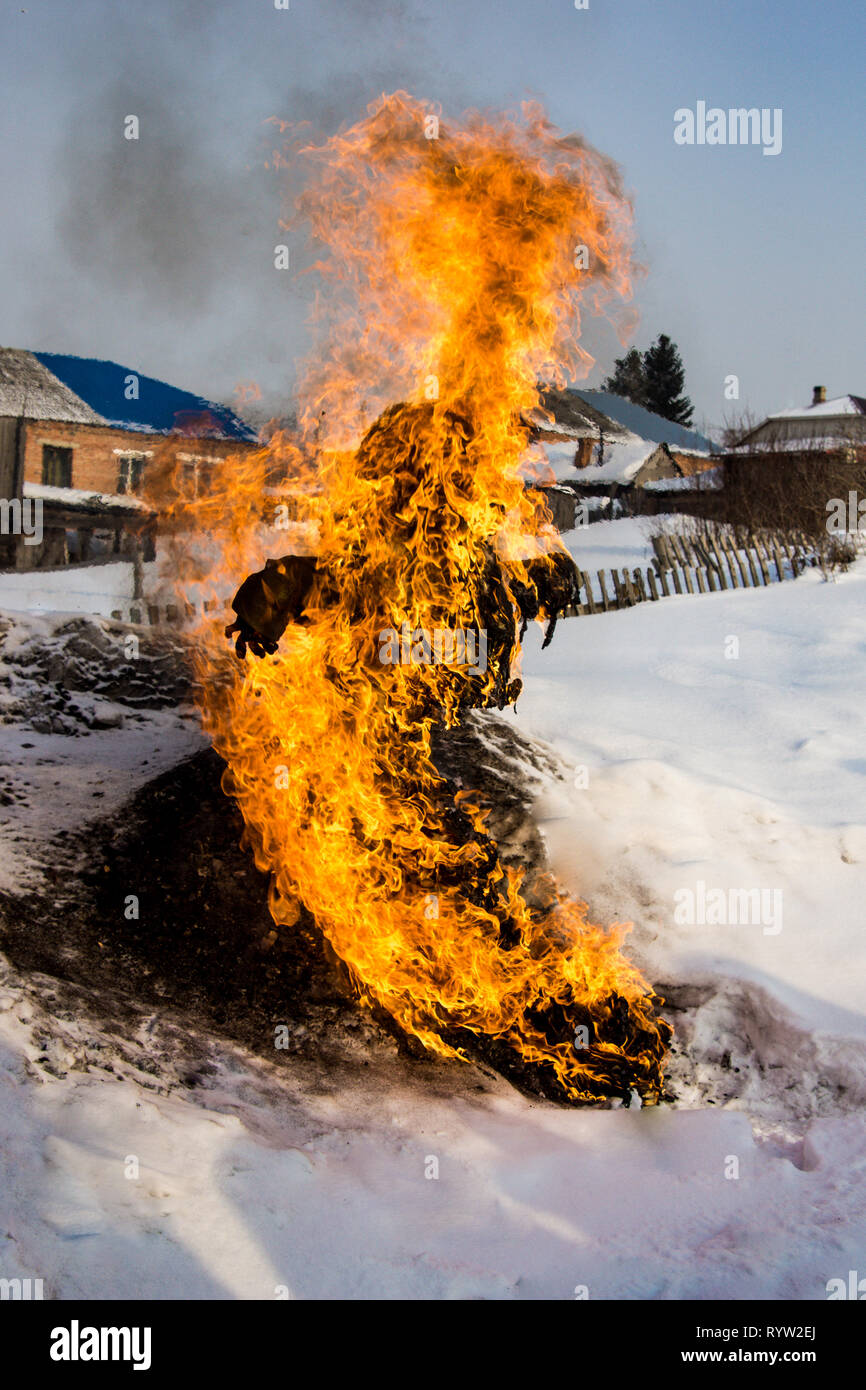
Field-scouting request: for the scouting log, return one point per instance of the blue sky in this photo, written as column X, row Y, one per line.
column 160, row 253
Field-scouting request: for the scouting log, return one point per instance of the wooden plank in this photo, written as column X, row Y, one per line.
column 780, row 564
column 717, row 572
column 603, row 589
column 702, row 583
column 663, row 581
column 734, row 559
column 753, row 569
column 640, row 586
column 629, row 587
column 732, row 567
column 719, row 563
column 687, row 576
column 678, row 584
column 762, row 561
column 704, row 557
column 580, row 606
column 590, row 596
column 653, row 587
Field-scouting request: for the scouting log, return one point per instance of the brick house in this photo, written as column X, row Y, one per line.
column 76, row 435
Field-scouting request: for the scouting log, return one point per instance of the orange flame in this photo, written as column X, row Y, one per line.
column 454, row 282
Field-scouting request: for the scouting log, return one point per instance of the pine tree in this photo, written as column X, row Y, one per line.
column 664, row 377
column 628, row 378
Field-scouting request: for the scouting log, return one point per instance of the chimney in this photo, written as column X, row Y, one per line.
column 819, row 395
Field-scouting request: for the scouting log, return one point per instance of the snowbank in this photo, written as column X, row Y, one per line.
column 686, row 756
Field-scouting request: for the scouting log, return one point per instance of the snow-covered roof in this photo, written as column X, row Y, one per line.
column 623, row 456
column 27, row 387
column 823, row 425
column 840, row 405
column 621, row 461
column 77, row 497
column 572, row 416
column 644, row 423
column 87, row 390
column 793, row 444
column 556, row 463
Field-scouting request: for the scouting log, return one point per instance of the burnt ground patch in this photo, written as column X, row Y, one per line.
column 204, row 944
column 201, row 942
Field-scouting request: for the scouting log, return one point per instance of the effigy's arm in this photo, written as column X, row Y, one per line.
column 268, row 601
column 275, row 596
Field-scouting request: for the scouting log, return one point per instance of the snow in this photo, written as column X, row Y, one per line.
column 271, row 1180
column 550, row 458
column 800, row 444
column 840, row 405
column 710, row 479
column 331, row 1199
column 622, row 459
column 97, row 589
column 735, row 771
column 78, row 497
column 94, row 753
column 66, row 780
column 610, row 545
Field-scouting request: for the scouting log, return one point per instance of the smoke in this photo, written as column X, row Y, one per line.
column 170, row 237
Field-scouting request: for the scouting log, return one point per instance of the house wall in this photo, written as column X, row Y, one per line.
column 584, row 451
column 689, row 464
column 658, row 465
column 807, row 429
column 94, row 461
column 10, row 487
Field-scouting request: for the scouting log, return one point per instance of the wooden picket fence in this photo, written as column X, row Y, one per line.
column 688, row 565
column 140, row 611
column 682, row 565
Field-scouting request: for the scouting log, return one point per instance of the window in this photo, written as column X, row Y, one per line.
column 196, row 471
column 56, row 466
column 129, row 468
column 191, row 477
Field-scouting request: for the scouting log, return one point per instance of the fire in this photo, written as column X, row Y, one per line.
column 453, row 284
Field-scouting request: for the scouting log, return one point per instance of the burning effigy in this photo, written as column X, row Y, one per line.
column 452, row 285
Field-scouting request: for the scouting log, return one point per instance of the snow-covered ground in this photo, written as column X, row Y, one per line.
column 604, row 545
column 681, row 763
column 73, row 589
